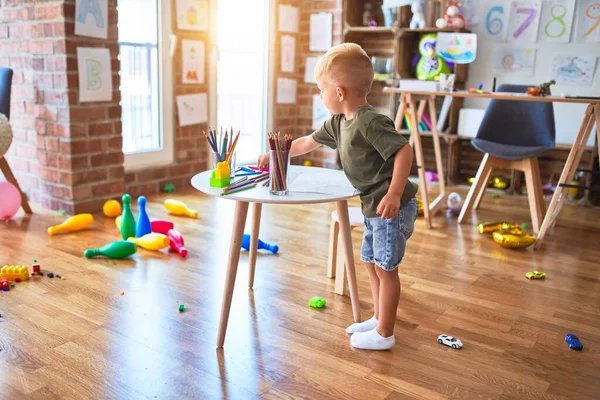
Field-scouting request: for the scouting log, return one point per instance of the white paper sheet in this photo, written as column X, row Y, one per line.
column 495, row 19
column 459, row 48
column 524, row 20
column 192, row 109
column 192, row 15
column 192, row 53
column 95, row 74
column 91, row 18
column 286, row 91
column 288, row 18
column 309, row 69
column 320, row 113
column 332, row 185
column 288, row 53
column 573, row 70
column 321, row 31
column 515, row 61
column 588, row 21
column 556, row 21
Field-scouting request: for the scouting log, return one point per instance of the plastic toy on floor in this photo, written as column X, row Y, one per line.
column 431, row 65
column 535, row 275
column 75, row 223
column 179, row 208
column 142, row 226
column 17, row 273
column 573, row 342
column 273, row 248
column 112, row 209
column 115, row 250
column 454, row 203
column 176, row 242
column 317, row 302
column 162, row 226
column 151, row 241
column 127, row 219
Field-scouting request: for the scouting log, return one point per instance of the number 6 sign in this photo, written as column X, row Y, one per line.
column 524, row 20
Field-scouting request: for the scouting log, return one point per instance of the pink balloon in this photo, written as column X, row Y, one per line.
column 10, row 200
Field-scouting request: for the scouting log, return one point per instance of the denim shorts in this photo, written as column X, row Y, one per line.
column 384, row 240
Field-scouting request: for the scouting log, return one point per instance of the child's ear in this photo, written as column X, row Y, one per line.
column 341, row 93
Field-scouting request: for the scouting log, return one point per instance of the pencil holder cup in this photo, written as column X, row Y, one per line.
column 279, row 165
column 215, row 160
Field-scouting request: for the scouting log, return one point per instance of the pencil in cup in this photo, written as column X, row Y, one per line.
column 216, row 157
column 279, row 164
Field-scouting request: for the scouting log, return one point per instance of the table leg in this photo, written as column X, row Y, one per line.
column 346, row 239
column 241, row 211
column 256, row 212
column 568, row 171
column 420, row 160
column 400, row 113
column 439, row 201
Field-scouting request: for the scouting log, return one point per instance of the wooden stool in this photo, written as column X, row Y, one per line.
column 335, row 263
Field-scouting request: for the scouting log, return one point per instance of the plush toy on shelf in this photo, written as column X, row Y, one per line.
column 452, row 19
column 418, row 19
column 431, row 65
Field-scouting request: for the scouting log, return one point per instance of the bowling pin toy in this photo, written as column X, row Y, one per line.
column 75, row 223
column 161, row 226
column 127, row 220
column 142, row 226
column 151, row 241
column 118, row 223
column 177, row 207
column 115, row 250
column 273, row 248
column 176, row 242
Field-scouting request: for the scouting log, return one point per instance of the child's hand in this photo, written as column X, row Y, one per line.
column 389, row 206
column 263, row 161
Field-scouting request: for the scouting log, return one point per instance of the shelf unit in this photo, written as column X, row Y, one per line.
column 398, row 42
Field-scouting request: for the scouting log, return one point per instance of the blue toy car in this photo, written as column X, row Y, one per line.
column 573, row 342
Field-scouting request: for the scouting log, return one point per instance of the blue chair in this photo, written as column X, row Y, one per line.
column 5, row 86
column 512, row 135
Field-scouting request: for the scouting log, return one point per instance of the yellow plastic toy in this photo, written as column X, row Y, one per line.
column 507, row 238
column 151, row 241
column 118, row 223
column 177, row 207
column 17, row 273
column 112, row 209
column 492, row 227
column 220, row 176
column 75, row 223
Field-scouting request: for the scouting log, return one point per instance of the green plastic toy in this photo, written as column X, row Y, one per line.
column 127, row 219
column 524, row 225
column 169, row 187
column 181, row 308
column 115, row 250
column 431, row 65
column 317, row 302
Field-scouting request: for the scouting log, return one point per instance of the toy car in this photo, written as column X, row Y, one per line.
column 450, row 341
column 317, row 302
column 573, row 342
column 535, row 275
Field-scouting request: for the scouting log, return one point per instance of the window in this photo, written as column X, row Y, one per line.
column 146, row 82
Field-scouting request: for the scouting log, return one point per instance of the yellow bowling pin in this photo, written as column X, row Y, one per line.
column 177, row 207
column 118, row 223
column 73, row 224
column 151, row 241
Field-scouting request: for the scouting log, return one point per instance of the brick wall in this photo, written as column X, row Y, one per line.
column 190, row 149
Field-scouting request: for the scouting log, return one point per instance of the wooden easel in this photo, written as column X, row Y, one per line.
column 5, row 168
column 409, row 100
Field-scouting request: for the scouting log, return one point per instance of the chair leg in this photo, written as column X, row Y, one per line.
column 334, row 231
column 481, row 193
column 11, row 178
column 532, row 181
column 340, row 267
column 484, row 171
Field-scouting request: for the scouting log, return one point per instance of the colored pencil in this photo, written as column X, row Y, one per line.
column 238, row 190
column 233, row 144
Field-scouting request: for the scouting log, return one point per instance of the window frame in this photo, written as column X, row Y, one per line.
column 165, row 155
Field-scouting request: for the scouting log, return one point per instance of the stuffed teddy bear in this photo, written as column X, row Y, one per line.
column 452, row 18
column 418, row 19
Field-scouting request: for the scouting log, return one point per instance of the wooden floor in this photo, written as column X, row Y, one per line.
column 79, row 338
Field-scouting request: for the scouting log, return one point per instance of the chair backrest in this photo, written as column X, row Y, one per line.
column 5, row 84
column 519, row 123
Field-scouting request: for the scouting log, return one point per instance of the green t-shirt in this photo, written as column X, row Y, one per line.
column 367, row 145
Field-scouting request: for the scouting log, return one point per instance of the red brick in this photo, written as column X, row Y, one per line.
column 115, row 173
column 115, row 143
column 50, row 175
column 107, row 188
column 3, row 31
column 41, row 142
column 49, row 11
column 37, row 63
column 85, row 114
column 106, row 159
column 91, row 176
column 114, row 112
column 51, row 143
column 40, row 127
column 82, row 193
column 41, row 47
column 60, row 46
column 101, row 129
column 10, row 15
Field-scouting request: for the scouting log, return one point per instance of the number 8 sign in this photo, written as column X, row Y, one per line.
column 556, row 21
column 524, row 20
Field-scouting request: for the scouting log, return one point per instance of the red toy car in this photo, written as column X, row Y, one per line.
column 4, row 285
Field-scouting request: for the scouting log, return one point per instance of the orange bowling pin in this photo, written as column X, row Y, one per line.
column 177, row 207
column 151, row 241
column 75, row 223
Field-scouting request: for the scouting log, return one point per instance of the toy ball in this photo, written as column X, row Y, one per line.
column 11, row 200
column 307, row 163
column 112, row 209
column 455, row 202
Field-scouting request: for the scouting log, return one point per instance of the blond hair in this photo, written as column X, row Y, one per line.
column 347, row 65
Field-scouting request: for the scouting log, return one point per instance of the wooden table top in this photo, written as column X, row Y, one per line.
column 495, row 96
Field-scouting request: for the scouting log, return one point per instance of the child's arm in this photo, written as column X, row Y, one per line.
column 300, row 146
column 389, row 205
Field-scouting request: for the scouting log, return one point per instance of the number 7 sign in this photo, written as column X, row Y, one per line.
column 524, row 20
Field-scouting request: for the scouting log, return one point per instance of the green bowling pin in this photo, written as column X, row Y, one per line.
column 127, row 220
column 120, row 249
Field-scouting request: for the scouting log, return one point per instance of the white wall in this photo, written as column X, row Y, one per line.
column 568, row 116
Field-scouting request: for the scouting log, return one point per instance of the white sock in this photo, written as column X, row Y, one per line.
column 364, row 326
column 372, row 340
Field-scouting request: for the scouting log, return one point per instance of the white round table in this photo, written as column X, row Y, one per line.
column 307, row 185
